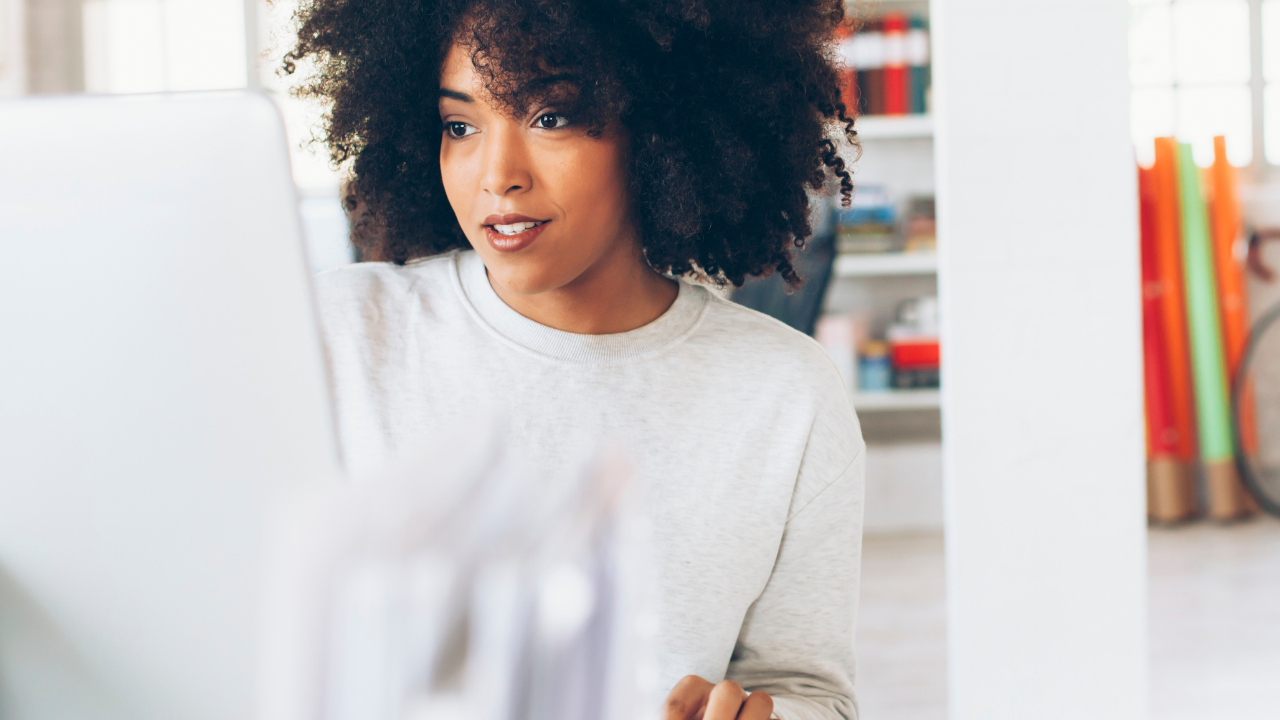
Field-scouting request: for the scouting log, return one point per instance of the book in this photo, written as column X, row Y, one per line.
column 921, row 226
column 869, row 224
column 896, row 92
column 846, row 47
column 871, row 68
column 917, row 46
column 887, row 65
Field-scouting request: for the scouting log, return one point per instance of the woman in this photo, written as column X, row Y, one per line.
column 538, row 175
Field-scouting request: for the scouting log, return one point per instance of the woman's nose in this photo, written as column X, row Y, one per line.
column 506, row 162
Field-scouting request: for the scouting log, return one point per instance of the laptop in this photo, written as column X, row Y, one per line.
column 162, row 386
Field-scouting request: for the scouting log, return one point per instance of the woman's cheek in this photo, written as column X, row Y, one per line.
column 454, row 175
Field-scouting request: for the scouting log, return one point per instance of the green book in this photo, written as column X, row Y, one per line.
column 1208, row 367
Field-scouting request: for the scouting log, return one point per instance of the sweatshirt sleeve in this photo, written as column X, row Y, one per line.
column 797, row 638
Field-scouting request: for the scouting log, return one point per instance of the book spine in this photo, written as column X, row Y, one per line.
column 1208, row 365
column 847, row 47
column 1168, row 240
column 895, row 64
column 871, row 68
column 918, row 64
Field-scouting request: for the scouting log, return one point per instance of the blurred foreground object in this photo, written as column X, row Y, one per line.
column 457, row 586
column 161, row 383
column 162, row 390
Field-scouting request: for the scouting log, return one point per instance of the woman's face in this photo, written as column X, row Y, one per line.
column 502, row 174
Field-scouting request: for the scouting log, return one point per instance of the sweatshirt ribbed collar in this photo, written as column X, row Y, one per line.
column 671, row 327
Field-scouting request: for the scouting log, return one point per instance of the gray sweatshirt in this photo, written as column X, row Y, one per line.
column 740, row 426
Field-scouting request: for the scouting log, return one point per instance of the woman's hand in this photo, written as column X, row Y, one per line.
column 696, row 699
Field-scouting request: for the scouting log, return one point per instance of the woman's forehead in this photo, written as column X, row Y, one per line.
column 458, row 73
column 459, row 77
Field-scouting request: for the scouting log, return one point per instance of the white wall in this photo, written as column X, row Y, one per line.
column 12, row 57
column 904, row 487
column 1042, row 405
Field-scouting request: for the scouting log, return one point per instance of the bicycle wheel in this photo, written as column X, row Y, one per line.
column 1255, row 406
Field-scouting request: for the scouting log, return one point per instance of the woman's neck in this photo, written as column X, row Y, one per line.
column 620, row 292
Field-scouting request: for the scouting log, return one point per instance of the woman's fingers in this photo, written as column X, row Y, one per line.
column 759, row 706
column 687, row 699
column 694, row 698
column 725, row 701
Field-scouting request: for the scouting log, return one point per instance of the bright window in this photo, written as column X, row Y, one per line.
column 1190, row 66
column 164, row 45
column 142, row 46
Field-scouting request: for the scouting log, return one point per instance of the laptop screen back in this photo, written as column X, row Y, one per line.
column 161, row 381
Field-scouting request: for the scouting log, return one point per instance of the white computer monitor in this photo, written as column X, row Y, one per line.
column 161, row 382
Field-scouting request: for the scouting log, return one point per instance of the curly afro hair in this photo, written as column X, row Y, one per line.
column 732, row 108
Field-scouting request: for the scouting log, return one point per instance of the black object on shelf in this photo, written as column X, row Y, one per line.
column 799, row 309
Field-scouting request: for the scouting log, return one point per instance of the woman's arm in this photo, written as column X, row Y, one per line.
column 797, row 639
column 794, row 658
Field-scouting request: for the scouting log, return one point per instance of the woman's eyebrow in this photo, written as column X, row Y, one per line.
column 454, row 94
column 550, row 81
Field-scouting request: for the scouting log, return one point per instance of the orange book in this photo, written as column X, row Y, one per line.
column 1168, row 255
column 849, row 73
column 1232, row 300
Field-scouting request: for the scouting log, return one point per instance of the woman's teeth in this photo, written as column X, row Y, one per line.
column 516, row 227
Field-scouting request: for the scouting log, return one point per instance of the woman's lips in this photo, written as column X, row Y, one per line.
column 512, row 243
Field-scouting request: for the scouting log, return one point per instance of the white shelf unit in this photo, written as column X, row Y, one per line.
column 894, row 127
column 889, row 400
column 886, row 264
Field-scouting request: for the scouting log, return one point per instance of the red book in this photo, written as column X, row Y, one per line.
column 1162, row 430
column 897, row 97
column 915, row 353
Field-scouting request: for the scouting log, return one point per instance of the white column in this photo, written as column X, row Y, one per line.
column 13, row 66
column 1042, row 371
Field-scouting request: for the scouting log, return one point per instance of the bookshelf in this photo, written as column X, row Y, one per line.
column 897, row 156
column 894, row 400
column 901, row 427
column 895, row 127
column 886, row 264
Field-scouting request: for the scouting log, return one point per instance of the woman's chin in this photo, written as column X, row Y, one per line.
column 521, row 275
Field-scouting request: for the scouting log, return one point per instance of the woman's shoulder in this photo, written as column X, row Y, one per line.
column 770, row 342
column 766, row 353
column 374, row 292
column 364, row 278
column 790, row 374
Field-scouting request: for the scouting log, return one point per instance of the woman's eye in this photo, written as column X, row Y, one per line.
column 549, row 121
column 458, row 129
